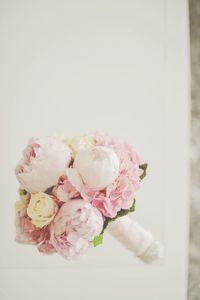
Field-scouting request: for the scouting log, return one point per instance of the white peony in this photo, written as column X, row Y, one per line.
column 78, row 143
column 43, row 162
column 98, row 167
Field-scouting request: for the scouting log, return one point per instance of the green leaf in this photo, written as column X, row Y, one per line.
column 121, row 213
column 22, row 191
column 98, row 239
column 144, row 168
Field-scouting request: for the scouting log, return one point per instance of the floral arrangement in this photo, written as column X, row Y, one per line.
column 71, row 191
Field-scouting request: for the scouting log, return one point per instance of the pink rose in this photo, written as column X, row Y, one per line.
column 74, row 227
column 43, row 162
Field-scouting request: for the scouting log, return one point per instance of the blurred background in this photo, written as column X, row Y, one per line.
column 194, row 265
column 122, row 66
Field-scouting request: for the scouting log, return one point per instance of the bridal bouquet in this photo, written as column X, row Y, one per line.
column 72, row 190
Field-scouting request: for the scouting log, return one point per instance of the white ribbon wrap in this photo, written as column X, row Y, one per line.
column 136, row 239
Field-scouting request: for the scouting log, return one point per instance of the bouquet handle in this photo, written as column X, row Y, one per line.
column 136, row 239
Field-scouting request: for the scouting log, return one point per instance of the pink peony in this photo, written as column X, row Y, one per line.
column 64, row 190
column 43, row 162
column 74, row 227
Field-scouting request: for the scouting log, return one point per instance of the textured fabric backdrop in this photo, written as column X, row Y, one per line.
column 194, row 264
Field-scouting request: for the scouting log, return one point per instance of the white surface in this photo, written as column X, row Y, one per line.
column 119, row 66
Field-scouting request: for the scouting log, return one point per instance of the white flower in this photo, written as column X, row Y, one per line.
column 78, row 143
column 98, row 167
column 43, row 162
column 41, row 209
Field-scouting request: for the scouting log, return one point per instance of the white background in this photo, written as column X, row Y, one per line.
column 116, row 65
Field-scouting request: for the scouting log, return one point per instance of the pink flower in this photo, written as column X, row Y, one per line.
column 129, row 159
column 119, row 194
column 74, row 227
column 43, row 162
column 107, row 207
column 123, row 189
column 64, row 190
column 27, row 233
